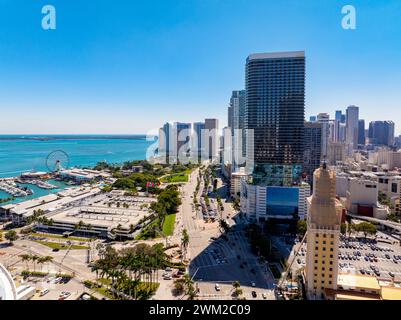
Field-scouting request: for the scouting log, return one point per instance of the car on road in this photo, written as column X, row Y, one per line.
column 217, row 287
column 264, row 295
column 56, row 250
column 254, row 295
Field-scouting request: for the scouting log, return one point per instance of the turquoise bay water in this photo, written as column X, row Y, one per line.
column 26, row 153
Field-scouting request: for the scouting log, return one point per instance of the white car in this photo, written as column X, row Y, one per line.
column 217, row 287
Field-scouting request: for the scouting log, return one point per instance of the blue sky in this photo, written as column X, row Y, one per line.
column 126, row 66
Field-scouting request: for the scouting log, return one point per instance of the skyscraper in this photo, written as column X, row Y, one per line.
column 274, row 113
column 338, row 115
column 237, row 105
column 212, row 140
column 381, row 133
column 361, row 132
column 352, row 127
column 312, row 148
column 183, row 140
column 324, row 119
column 323, row 233
column 167, row 147
column 197, row 140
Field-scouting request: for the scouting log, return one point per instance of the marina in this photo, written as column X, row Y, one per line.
column 10, row 187
column 40, row 183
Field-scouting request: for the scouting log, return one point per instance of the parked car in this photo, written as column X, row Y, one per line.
column 217, row 287
column 254, row 295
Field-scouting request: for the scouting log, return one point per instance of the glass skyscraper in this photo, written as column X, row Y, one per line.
column 274, row 112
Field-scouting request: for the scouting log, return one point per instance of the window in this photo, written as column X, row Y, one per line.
column 331, row 269
column 324, row 248
column 315, row 268
column 331, row 249
column 323, row 269
column 329, row 282
column 332, row 236
column 332, row 242
column 324, row 242
column 331, row 256
column 324, row 235
column 315, row 261
column 316, row 248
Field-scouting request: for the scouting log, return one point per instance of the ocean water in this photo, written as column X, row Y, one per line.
column 26, row 153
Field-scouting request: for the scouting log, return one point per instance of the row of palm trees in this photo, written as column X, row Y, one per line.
column 40, row 260
column 132, row 271
column 185, row 286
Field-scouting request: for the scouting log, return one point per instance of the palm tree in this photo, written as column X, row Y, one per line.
column 184, row 241
column 26, row 258
column 41, row 261
column 79, row 226
column 46, row 259
column 34, row 258
column 237, row 288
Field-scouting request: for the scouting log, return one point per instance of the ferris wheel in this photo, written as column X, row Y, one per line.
column 57, row 161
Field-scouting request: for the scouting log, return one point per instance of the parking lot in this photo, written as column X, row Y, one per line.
column 360, row 256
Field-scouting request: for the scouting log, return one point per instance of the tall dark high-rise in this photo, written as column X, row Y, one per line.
column 312, row 148
column 361, row 132
column 381, row 133
column 274, row 113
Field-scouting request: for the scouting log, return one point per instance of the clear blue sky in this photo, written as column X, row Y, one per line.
column 115, row 66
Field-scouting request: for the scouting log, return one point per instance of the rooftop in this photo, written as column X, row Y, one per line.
column 358, row 281
column 276, row 55
column 391, row 293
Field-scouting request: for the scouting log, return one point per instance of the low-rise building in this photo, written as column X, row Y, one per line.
column 260, row 203
column 235, row 184
column 362, row 199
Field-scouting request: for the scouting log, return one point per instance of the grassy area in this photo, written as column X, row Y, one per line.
column 148, row 232
column 56, row 236
column 60, row 246
column 144, row 290
column 168, row 225
column 176, row 177
column 105, row 292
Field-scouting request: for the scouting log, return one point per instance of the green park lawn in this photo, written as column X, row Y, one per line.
column 56, row 236
column 168, row 225
column 60, row 246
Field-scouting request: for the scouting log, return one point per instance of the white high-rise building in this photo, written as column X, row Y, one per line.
column 324, row 119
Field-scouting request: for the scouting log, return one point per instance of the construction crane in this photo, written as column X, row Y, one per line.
column 284, row 277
